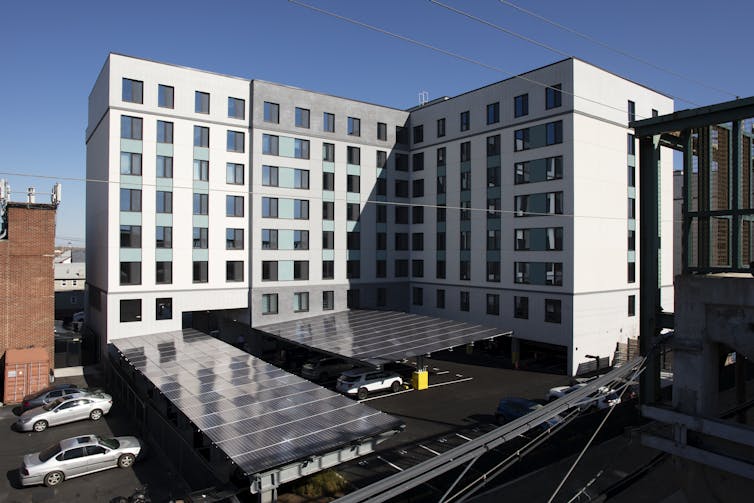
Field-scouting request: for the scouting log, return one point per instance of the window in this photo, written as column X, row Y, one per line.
column 269, row 239
column 301, row 209
column 234, row 173
column 353, row 240
column 236, row 108
column 130, row 236
column 417, row 268
column 235, row 141
column 401, row 214
column 380, row 269
column 201, row 204
column 271, row 112
column 353, row 269
column 130, row 127
column 164, row 167
column 200, row 238
column 631, row 176
column 234, row 270
column 165, row 96
column 300, row 302
column 401, row 162
column 552, row 310
column 328, row 240
column 655, row 113
column 631, row 144
column 328, row 152
column 270, row 144
column 631, row 208
column 440, row 241
column 493, row 304
column 417, row 188
column 465, row 151
column 201, row 170
column 417, row 296
column 328, row 300
column 632, row 272
column 130, row 310
column 401, row 268
column 201, row 102
column 465, row 240
column 441, row 184
column 130, row 273
column 464, row 270
column 382, row 131
column 441, row 214
column 133, row 91
column 417, row 163
column 465, row 213
column 440, row 298
column 441, row 156
column 521, row 307
column 521, row 105
column 353, row 183
column 493, row 271
column 269, row 270
column 201, row 136
column 554, row 132
column 130, row 200
column 440, row 269
column 464, row 304
column 553, row 273
column 631, row 111
column 553, row 96
column 493, row 113
column 417, row 214
column 353, row 211
column 381, row 297
column 163, row 237
column 401, row 241
column 521, row 273
column 493, row 145
column 381, row 160
column 130, row 164
column 532, row 171
column 441, row 127
column 466, row 180
column 401, row 188
column 521, row 140
column 401, row 135
column 164, row 132
column 328, row 122
column 269, row 303
column 269, row 176
column 328, row 181
column 300, row 269
column 234, row 239
column 300, row 178
column 493, row 239
column 417, row 241
column 381, row 240
column 353, row 155
column 300, row 148
column 269, row 207
column 164, row 203
column 163, row 308
column 632, row 240
column 234, row 206
column 328, row 269
column 163, row 273
column 465, row 120
column 302, row 117
column 328, row 210
column 418, row 133
column 354, row 126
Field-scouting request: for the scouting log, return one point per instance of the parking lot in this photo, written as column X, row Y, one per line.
column 152, row 471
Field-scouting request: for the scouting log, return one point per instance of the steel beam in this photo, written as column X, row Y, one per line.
column 694, row 118
column 730, row 465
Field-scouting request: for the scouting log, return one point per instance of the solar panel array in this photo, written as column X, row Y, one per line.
column 259, row 415
column 379, row 337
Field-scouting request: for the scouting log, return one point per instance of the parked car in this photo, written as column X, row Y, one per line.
column 322, row 369
column 48, row 394
column 78, row 456
column 512, row 408
column 605, row 397
column 65, row 410
column 361, row 382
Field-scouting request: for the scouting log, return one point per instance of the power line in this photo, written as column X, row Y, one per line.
column 453, row 54
column 615, row 50
column 526, row 39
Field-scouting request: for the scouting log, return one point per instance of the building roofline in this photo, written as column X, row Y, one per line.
column 179, row 66
column 32, row 206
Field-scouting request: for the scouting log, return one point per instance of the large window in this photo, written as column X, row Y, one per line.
column 130, row 164
column 441, row 156
column 354, row 126
column 235, row 141
column 130, row 273
column 417, row 268
column 201, row 204
column 301, row 209
column 300, row 269
column 234, row 206
column 464, row 267
column 201, row 170
column 381, row 160
column 553, row 96
column 130, row 200
column 353, row 155
column 328, row 122
column 441, row 127
column 270, row 176
column 270, row 144
column 552, row 310
column 418, row 133
column 417, row 189
column 382, row 131
column 271, row 112
column 130, row 310
column 521, row 140
column 236, row 108
column 130, row 236
column 417, row 163
column 302, row 117
column 300, row 302
column 353, row 183
column 164, row 168
column 353, row 211
column 328, row 181
column 269, row 239
column 464, row 301
column 164, row 308
column 465, row 151
column 328, row 240
column 328, row 152
column 163, row 273
column 201, row 102
column 493, row 304
column 465, row 120
column 521, row 307
column 234, row 173
column 130, row 127
column 200, row 238
column 401, row 135
column 493, row 271
column 269, row 270
column 133, row 91
column 493, row 113
column 164, row 202
column 493, row 145
column 164, row 132
column 163, row 237
column 300, row 240
column 554, row 132
column 328, row 300
column 234, row 270
column 300, row 148
column 165, row 96
column 269, row 303
column 201, row 136
column 401, row 162
column 200, row 271
column 328, row 210
column 269, row 207
column 328, row 269
column 400, row 268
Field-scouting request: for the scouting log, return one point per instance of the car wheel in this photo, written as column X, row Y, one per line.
column 40, row 425
column 126, row 460
column 395, row 387
column 362, row 393
column 53, row 478
column 95, row 415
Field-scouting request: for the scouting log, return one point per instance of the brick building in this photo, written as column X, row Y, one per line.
column 26, row 277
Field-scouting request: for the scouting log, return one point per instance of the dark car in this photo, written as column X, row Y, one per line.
column 322, row 369
column 513, row 408
column 49, row 394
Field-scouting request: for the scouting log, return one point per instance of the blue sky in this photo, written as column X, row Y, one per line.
column 52, row 52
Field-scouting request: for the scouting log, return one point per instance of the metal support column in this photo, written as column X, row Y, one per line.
column 649, row 229
column 688, row 166
column 735, row 187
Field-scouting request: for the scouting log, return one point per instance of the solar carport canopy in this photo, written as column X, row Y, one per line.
column 379, row 337
column 259, row 415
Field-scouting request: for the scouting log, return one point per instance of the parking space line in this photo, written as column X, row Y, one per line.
column 464, row 437
column 389, row 463
column 442, row 372
column 430, row 450
column 450, row 382
column 411, row 389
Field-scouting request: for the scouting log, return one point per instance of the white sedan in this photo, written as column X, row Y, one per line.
column 361, row 382
column 65, row 410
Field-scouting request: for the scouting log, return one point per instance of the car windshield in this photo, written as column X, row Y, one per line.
column 51, row 451
column 110, row 443
column 54, row 403
column 350, row 378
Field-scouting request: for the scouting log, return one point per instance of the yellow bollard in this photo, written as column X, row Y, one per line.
column 420, row 380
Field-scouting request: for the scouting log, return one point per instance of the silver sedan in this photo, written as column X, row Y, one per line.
column 65, row 410
column 74, row 457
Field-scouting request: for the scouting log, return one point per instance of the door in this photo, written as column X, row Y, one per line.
column 73, row 462
column 99, row 458
column 64, row 413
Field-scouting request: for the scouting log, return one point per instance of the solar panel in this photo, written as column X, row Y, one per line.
column 379, row 337
column 259, row 415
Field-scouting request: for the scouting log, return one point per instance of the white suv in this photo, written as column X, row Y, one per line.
column 361, row 382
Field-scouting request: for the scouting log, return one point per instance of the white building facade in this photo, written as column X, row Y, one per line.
column 512, row 205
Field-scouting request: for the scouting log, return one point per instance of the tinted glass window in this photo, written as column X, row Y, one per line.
column 74, row 453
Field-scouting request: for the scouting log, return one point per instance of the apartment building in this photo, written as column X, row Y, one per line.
column 512, row 205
